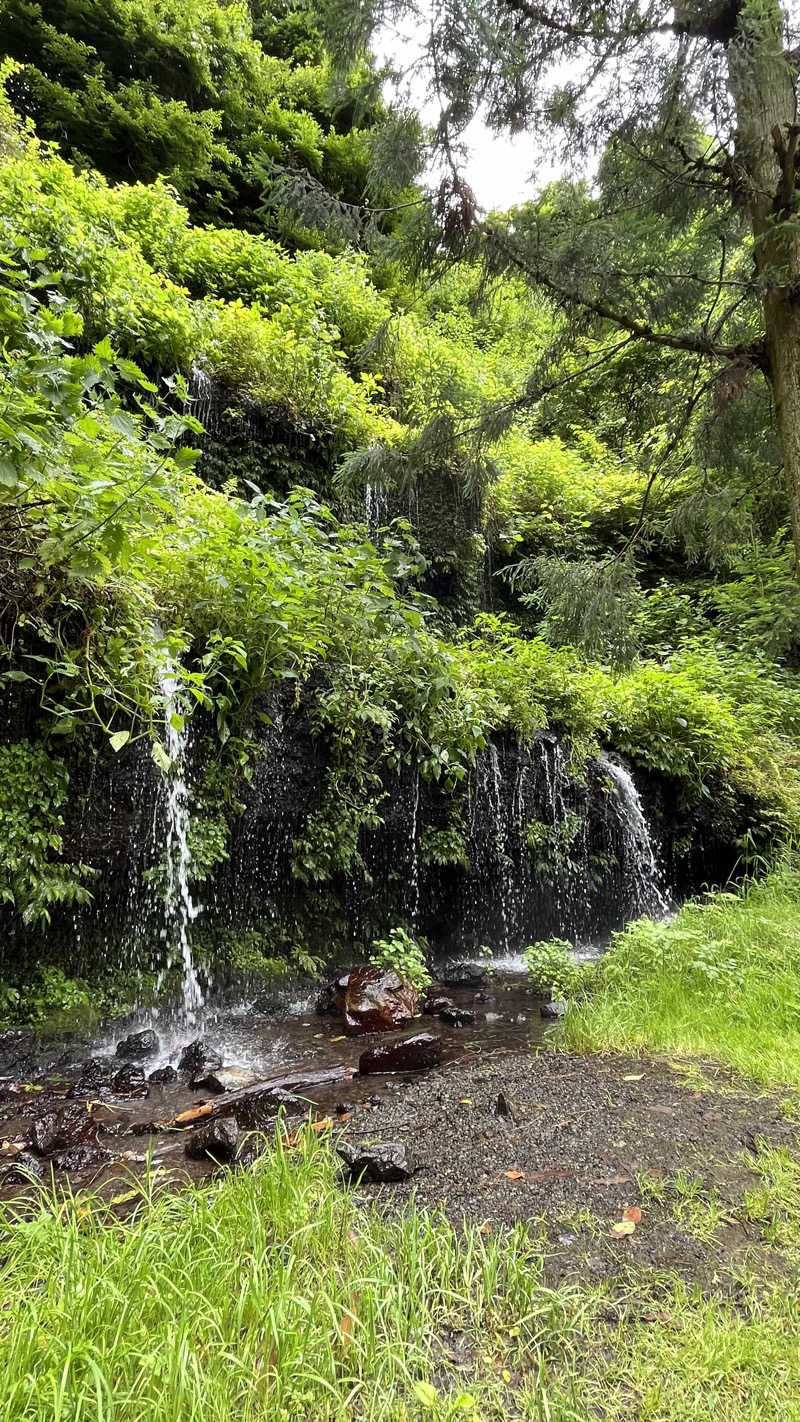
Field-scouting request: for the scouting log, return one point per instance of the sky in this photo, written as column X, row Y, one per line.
column 498, row 166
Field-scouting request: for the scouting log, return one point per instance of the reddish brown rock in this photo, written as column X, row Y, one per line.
column 409, row 1054
column 60, row 1130
column 377, row 1000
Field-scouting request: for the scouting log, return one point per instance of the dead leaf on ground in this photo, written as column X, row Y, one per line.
column 640, row 1077
column 623, row 1227
column 465, row 1101
column 633, row 1213
column 514, row 1174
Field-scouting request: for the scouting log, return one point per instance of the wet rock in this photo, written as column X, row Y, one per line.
column 447, row 1011
column 382, row 1163
column 261, row 1112
column 409, row 1054
column 139, row 1044
column 377, row 1000
column 79, row 1157
column 199, row 1057
column 215, row 1142
column 54, row 1130
column 17, row 1050
column 464, row 975
column 331, row 999
column 21, row 1168
column 162, row 1076
column 553, row 1011
column 129, row 1081
column 225, row 1079
column 503, row 1107
column 90, row 1083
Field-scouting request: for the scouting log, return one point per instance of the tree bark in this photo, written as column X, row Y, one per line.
column 761, row 81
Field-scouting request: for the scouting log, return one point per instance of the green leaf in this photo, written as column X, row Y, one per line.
column 161, row 758
column 426, row 1394
column 119, row 739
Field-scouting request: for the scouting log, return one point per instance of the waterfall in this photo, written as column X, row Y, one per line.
column 179, row 909
column 640, row 866
column 414, row 879
column 376, row 509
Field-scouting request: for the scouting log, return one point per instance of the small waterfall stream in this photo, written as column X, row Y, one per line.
column 179, row 909
column 640, row 864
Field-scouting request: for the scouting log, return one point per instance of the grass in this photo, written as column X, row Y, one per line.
column 721, row 980
column 278, row 1294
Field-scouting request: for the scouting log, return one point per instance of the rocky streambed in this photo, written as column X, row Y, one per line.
column 466, row 1106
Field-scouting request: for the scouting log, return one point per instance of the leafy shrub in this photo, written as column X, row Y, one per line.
column 552, row 968
column 403, row 953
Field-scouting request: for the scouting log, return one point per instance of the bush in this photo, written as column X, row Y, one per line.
column 403, row 953
column 552, row 969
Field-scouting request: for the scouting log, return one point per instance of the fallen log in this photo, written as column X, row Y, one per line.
column 230, row 1101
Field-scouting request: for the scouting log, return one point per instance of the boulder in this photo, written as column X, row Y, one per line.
column 553, row 1011
column 129, row 1081
column 199, row 1057
column 407, row 1054
column 223, row 1079
column 72, row 1125
column 163, row 1075
column 377, row 1000
column 90, row 1082
column 215, row 1142
column 381, row 1163
column 139, row 1044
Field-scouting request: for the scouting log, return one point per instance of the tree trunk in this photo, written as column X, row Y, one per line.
column 761, row 82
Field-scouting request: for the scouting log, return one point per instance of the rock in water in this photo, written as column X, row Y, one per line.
column 199, row 1057
column 553, row 1011
column 215, row 1142
column 224, row 1079
column 90, row 1082
column 381, row 1163
column 465, row 975
column 377, row 1000
column 20, row 1168
column 331, row 999
column 129, row 1080
column 261, row 1112
column 60, row 1130
column 163, row 1075
column 447, row 1011
column 139, row 1044
column 409, row 1054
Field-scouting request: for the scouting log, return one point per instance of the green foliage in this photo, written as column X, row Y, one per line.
column 33, row 790
column 720, row 980
column 552, row 969
column 404, row 953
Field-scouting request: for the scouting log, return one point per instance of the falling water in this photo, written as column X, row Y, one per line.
column 180, row 911
column 500, row 820
column 376, row 508
column 414, row 880
column 641, row 867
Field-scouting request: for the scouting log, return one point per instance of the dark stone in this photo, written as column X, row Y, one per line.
column 58, row 1130
column 79, row 1157
column 503, row 1107
column 139, row 1044
column 447, row 1010
column 331, row 999
column 20, row 1168
column 377, row 1000
column 381, row 1163
column 199, row 1057
column 17, row 1050
column 215, row 1142
column 90, row 1082
column 222, row 1079
column 408, row 1054
column 162, row 1076
column 129, row 1081
column 553, row 1011
column 464, row 975
column 260, row 1112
